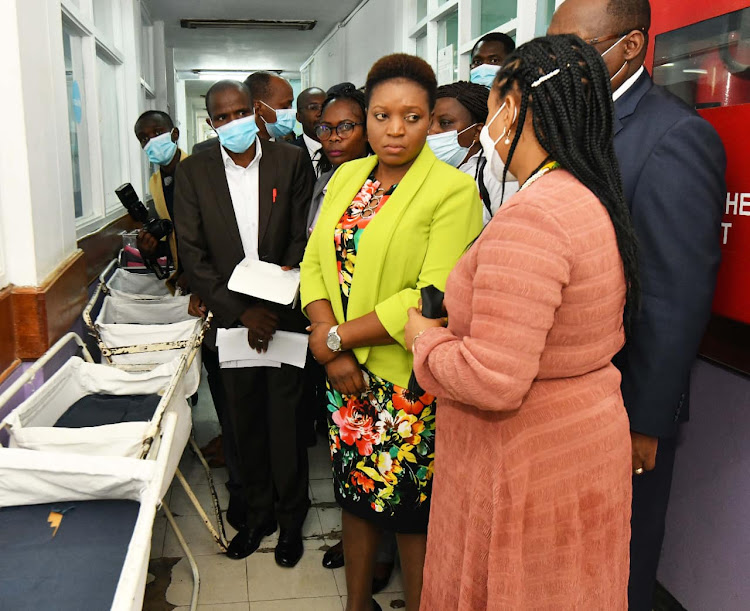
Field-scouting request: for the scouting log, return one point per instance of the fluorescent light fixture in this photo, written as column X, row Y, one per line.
column 225, row 73
column 695, row 71
column 669, row 65
column 249, row 24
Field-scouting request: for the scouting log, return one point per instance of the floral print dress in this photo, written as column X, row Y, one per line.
column 382, row 442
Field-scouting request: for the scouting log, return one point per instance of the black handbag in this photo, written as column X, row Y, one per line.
column 432, row 307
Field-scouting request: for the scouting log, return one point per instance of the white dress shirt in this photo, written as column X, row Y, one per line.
column 314, row 149
column 627, row 85
column 494, row 186
column 243, row 187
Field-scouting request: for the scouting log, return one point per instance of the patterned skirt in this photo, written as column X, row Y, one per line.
column 383, row 452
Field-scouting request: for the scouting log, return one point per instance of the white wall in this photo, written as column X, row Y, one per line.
column 36, row 189
column 374, row 29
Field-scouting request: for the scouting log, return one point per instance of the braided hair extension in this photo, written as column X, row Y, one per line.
column 343, row 91
column 572, row 114
column 472, row 96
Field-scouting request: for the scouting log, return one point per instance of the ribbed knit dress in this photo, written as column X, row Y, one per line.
column 532, row 488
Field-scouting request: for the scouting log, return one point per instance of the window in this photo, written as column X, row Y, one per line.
column 448, row 49
column 421, row 9
column 100, row 102
column 422, row 46
column 77, row 124
column 705, row 63
column 109, row 129
column 491, row 14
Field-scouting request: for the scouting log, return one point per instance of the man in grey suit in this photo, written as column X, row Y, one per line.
column 247, row 199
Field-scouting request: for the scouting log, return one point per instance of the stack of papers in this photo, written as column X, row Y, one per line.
column 236, row 353
column 265, row 281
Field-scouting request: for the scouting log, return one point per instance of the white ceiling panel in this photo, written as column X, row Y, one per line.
column 246, row 49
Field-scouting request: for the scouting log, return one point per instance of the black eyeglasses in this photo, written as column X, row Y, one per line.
column 315, row 107
column 343, row 130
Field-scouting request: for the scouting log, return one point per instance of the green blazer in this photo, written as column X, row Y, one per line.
column 413, row 241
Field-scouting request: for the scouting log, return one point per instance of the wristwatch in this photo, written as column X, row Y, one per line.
column 333, row 341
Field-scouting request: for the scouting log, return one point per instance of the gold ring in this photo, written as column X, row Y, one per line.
column 639, row 471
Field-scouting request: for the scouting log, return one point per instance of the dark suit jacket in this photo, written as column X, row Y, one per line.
column 210, row 246
column 204, row 145
column 300, row 142
column 672, row 163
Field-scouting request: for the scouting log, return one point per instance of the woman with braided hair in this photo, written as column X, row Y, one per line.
column 460, row 113
column 532, row 485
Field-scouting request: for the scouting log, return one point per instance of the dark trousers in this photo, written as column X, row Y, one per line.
column 650, row 500
column 219, row 397
column 265, row 404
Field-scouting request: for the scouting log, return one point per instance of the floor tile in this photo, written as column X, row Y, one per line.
column 387, row 600
column 320, row 461
column 268, row 581
column 197, row 536
column 219, row 607
column 157, row 536
column 326, row 603
column 180, row 503
column 321, row 491
column 330, row 520
column 221, row 581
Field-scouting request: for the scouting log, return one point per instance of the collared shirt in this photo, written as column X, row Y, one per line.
column 314, row 149
column 622, row 89
column 244, row 188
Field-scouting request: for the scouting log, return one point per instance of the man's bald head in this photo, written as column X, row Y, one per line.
column 617, row 28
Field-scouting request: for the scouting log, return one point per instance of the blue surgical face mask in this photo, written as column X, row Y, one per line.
column 239, row 135
column 286, row 118
column 447, row 148
column 484, row 74
column 160, row 150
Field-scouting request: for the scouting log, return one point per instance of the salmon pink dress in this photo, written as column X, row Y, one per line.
column 532, row 475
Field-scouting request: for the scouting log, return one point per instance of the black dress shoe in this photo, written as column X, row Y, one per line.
column 289, row 548
column 237, row 513
column 379, row 583
column 248, row 540
column 334, row 557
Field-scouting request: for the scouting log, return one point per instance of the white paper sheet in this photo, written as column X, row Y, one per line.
column 245, row 364
column 265, row 281
column 285, row 347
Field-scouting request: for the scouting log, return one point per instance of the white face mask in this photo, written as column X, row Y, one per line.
column 496, row 164
column 447, row 148
column 625, row 63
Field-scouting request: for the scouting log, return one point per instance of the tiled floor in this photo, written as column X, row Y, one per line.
column 255, row 583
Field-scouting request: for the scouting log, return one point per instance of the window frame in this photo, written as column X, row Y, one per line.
column 122, row 50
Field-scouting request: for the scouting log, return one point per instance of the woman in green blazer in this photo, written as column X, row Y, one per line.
column 390, row 224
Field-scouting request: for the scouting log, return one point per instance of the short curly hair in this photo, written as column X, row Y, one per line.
column 402, row 65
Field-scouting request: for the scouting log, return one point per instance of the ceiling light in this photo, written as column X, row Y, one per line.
column 695, row 71
column 249, row 24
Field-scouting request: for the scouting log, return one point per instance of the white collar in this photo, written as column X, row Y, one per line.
column 622, row 89
column 312, row 145
column 229, row 162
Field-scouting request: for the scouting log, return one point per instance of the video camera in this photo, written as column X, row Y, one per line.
column 159, row 228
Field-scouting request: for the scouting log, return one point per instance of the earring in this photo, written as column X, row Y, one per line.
column 507, row 139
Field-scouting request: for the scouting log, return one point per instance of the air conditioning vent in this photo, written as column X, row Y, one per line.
column 248, row 24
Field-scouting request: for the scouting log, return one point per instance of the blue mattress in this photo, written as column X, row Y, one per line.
column 78, row 568
column 98, row 410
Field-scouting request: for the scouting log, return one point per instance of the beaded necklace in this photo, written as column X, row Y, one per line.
column 545, row 169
